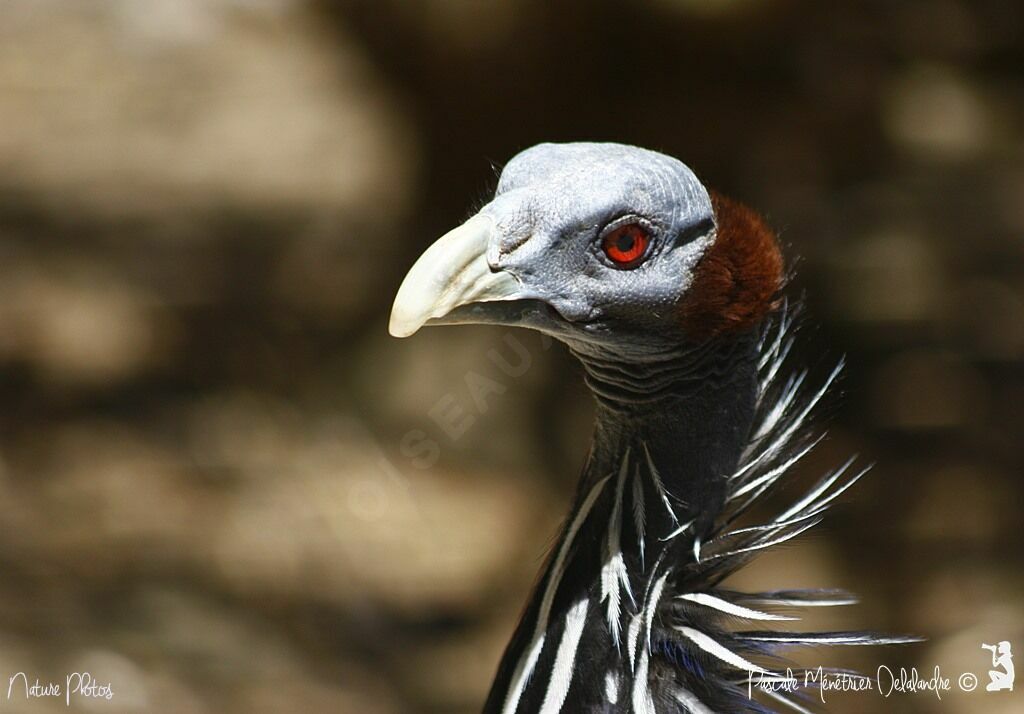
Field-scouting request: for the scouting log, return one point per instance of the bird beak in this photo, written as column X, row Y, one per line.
column 451, row 273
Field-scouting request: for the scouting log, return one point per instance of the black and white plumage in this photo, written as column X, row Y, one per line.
column 669, row 297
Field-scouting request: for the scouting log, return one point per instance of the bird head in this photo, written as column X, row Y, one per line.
column 598, row 243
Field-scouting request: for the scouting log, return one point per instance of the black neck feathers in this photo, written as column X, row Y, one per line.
column 685, row 412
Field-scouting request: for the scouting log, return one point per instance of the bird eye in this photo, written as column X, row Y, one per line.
column 626, row 245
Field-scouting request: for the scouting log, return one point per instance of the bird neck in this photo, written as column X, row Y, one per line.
column 671, row 425
column 681, row 414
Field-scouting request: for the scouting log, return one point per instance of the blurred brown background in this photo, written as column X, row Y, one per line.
column 222, row 487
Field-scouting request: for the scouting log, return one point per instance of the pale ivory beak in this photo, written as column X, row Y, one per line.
column 450, row 273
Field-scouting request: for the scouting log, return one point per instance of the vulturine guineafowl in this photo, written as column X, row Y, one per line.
column 669, row 296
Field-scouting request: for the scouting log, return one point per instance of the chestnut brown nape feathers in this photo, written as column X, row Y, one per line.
column 738, row 281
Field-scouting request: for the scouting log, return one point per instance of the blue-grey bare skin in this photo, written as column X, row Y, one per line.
column 551, row 203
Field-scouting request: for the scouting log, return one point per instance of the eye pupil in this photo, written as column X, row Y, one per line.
column 625, row 246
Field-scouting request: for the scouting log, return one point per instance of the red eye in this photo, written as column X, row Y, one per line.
column 625, row 246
